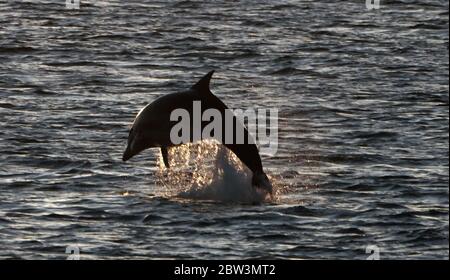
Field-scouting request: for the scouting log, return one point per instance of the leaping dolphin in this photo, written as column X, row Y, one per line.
column 152, row 128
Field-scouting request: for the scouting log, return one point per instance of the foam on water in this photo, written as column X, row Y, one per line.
column 207, row 171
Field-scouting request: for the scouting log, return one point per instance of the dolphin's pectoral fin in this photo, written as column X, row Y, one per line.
column 165, row 155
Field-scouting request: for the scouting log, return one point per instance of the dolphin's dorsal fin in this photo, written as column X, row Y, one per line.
column 203, row 84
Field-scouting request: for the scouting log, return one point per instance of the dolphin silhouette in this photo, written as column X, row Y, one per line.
column 152, row 128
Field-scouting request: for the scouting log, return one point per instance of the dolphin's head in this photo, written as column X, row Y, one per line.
column 152, row 125
column 138, row 139
column 136, row 144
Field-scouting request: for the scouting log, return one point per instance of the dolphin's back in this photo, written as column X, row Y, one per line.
column 161, row 109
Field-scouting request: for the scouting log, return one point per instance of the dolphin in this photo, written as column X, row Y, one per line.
column 152, row 128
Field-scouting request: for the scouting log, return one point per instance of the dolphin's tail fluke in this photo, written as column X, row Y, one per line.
column 260, row 180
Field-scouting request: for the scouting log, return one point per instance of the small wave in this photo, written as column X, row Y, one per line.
column 429, row 26
column 247, row 53
column 16, row 50
column 189, row 39
column 74, row 63
column 300, row 211
column 40, row 91
column 286, row 70
column 269, row 237
column 5, row 221
column 351, row 231
column 51, row 188
column 294, row 71
column 258, row 23
column 152, row 218
column 110, row 37
column 287, row 6
column 186, row 4
column 57, row 216
column 7, row 105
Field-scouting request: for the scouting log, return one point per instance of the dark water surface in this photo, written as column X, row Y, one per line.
column 363, row 102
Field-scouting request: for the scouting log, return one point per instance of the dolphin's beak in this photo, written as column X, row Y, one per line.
column 127, row 154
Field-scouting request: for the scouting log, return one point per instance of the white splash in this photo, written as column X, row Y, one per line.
column 207, row 171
